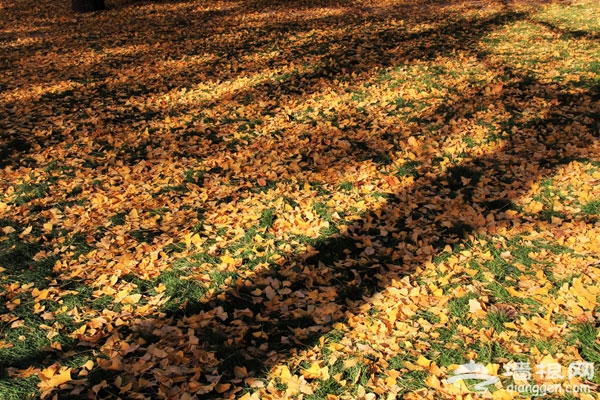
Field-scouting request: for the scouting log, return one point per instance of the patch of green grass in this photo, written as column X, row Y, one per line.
column 133, row 154
column 401, row 102
column 505, row 272
column 27, row 191
column 427, row 316
column 542, row 345
column 413, row 380
column 322, row 210
column 409, row 168
column 397, row 362
column 458, row 307
column 18, row 388
column 101, row 303
column 27, row 342
column 449, row 352
column 291, row 202
column 559, row 319
column 77, row 190
column 17, row 258
column 499, row 292
column 442, row 257
column 328, row 231
column 381, row 158
column 584, row 336
column 572, row 20
column 78, row 244
column 195, row 177
column 358, row 372
column 173, row 189
column 591, row 208
column 346, row 186
column 324, row 388
column 267, row 218
column 496, row 320
column 552, row 246
column 179, row 289
column 118, row 218
column 219, row 278
column 264, row 188
column 469, row 141
column 521, row 253
column 144, row 235
column 334, row 336
column 321, row 190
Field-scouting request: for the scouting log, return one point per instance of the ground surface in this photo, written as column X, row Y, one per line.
column 311, row 199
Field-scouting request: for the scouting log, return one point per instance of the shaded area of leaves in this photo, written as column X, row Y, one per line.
column 192, row 194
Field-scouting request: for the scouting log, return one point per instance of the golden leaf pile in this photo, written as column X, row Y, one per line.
column 333, row 200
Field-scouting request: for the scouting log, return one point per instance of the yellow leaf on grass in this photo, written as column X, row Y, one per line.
column 535, row 206
column 474, row 306
column 227, row 261
column 121, row 295
column 24, row 373
column 423, row 362
column 392, row 376
column 297, row 384
column 40, row 294
column 336, row 346
column 433, row 382
column 132, row 298
column 79, row 331
column 510, row 325
column 17, row 324
column 195, row 239
column 88, row 365
column 316, row 372
column 53, row 377
column 133, row 214
column 282, row 372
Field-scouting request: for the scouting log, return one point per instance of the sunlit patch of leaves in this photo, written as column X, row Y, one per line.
column 295, row 200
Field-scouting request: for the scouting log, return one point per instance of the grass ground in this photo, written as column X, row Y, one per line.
column 313, row 199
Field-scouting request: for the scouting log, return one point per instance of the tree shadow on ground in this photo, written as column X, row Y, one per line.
column 289, row 305
column 260, row 324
